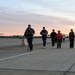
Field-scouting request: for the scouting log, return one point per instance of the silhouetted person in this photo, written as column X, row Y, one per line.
column 29, row 32
column 44, row 33
column 53, row 37
column 59, row 39
column 71, row 38
column 63, row 37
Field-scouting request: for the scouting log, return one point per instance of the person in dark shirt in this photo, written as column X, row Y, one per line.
column 29, row 32
column 71, row 38
column 44, row 33
column 53, row 37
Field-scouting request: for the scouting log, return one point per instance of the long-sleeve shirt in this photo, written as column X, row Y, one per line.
column 59, row 36
column 29, row 32
column 44, row 33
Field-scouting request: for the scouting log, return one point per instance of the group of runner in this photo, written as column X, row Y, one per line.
column 55, row 37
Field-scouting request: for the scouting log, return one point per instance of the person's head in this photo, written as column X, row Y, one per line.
column 71, row 30
column 43, row 28
column 29, row 26
column 58, row 31
column 53, row 30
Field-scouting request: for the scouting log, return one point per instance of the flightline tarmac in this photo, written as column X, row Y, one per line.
column 17, row 60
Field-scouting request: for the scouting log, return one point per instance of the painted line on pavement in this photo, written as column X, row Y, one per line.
column 19, row 55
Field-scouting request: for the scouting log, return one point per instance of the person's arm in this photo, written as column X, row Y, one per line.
column 41, row 32
column 46, row 32
column 33, row 31
column 26, row 32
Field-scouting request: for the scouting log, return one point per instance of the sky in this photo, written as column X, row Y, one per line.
column 15, row 15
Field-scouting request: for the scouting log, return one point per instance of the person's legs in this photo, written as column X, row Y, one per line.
column 28, row 40
column 59, row 43
column 28, row 44
column 44, row 41
column 31, row 45
column 52, row 42
column 72, row 43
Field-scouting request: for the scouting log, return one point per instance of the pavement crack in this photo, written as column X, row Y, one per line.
column 69, row 69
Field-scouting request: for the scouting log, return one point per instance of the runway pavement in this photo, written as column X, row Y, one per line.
column 49, row 61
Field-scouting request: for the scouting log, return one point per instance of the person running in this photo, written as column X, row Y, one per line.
column 59, row 39
column 44, row 33
column 53, row 37
column 29, row 32
column 63, row 38
column 71, row 38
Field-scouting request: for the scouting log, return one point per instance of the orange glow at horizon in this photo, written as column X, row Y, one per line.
column 18, row 25
column 37, row 32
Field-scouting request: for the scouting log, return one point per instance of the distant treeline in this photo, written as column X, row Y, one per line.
column 20, row 37
column 10, row 36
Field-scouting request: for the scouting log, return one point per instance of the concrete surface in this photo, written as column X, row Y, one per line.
column 49, row 61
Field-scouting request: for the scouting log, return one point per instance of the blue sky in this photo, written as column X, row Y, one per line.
column 63, row 8
column 16, row 14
